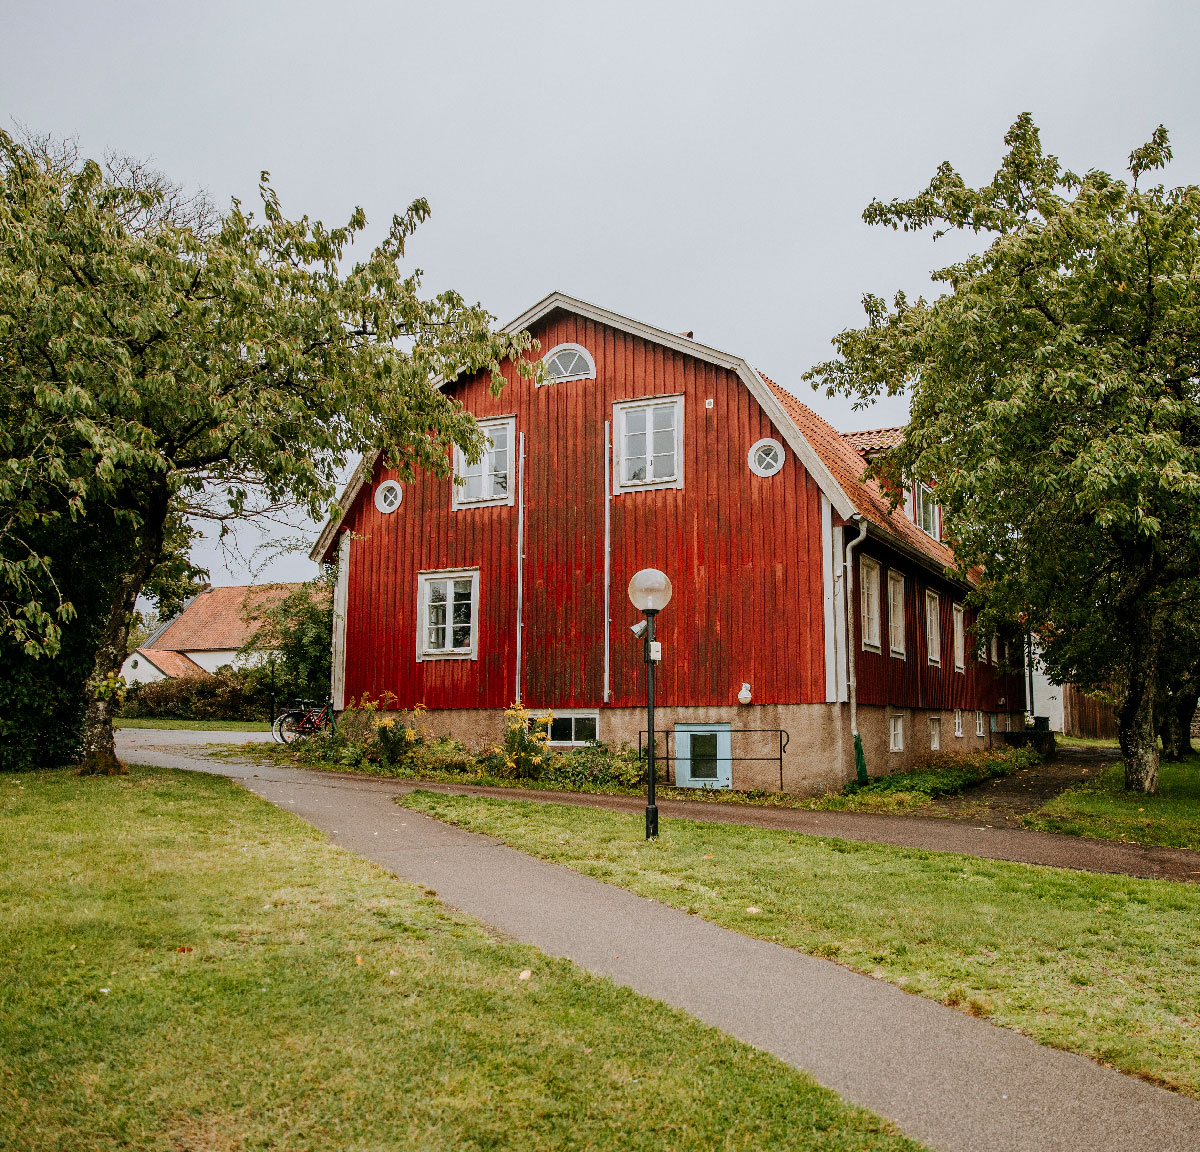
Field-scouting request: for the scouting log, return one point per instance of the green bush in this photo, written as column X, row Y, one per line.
column 596, row 765
column 229, row 694
column 948, row 773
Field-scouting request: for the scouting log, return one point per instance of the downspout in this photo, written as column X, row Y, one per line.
column 860, row 764
column 520, row 562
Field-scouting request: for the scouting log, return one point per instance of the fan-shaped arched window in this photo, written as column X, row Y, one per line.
column 569, row 362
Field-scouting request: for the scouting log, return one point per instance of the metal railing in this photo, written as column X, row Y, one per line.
column 669, row 735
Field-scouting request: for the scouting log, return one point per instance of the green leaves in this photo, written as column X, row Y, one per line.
column 1055, row 393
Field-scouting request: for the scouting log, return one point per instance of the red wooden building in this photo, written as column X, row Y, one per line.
column 651, row 450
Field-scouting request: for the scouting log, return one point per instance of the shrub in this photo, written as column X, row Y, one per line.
column 597, row 765
column 229, row 694
column 947, row 773
column 522, row 755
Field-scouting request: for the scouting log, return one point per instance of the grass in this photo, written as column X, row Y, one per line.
column 1103, row 965
column 184, row 966
column 173, row 725
column 1102, row 808
column 1084, row 741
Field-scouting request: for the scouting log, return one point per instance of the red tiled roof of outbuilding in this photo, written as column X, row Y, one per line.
column 217, row 618
column 171, row 664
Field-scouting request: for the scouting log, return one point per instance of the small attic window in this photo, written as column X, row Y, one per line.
column 765, row 457
column 388, row 496
column 569, row 362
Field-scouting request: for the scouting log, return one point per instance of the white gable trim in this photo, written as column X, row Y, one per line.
column 758, row 388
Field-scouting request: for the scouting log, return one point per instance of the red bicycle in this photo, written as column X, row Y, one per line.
column 303, row 719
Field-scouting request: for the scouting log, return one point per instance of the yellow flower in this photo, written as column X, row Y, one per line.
column 409, row 735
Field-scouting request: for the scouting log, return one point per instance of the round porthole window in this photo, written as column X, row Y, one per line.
column 133, row 663
column 388, row 496
column 765, row 457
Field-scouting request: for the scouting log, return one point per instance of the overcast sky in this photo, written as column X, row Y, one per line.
column 694, row 165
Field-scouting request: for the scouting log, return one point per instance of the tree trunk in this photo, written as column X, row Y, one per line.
column 103, row 689
column 1135, row 718
column 1184, row 707
column 1169, row 731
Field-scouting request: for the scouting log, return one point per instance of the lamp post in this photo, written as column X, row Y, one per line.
column 650, row 592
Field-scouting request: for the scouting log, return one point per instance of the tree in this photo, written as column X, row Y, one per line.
column 162, row 361
column 293, row 644
column 1055, row 405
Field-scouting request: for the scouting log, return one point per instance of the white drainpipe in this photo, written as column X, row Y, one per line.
column 848, row 574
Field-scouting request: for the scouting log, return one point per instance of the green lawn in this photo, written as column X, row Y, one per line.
column 1104, row 965
column 1102, row 808
column 184, row 966
column 194, row 725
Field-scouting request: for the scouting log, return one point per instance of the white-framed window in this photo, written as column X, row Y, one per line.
column 960, row 641
column 388, row 496
column 896, row 613
column 1007, row 721
column 765, row 457
column 979, row 728
column 572, row 729
column 958, row 722
column 489, row 480
column 448, row 614
column 927, row 515
column 868, row 595
column 896, row 734
column 995, row 650
column 649, row 444
column 933, row 628
column 935, row 733
column 569, row 362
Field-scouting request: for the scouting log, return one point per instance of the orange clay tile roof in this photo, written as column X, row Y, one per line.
column 843, row 460
column 171, row 664
column 875, row 439
column 217, row 618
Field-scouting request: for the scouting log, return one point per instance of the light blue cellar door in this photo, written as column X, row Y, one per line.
column 703, row 757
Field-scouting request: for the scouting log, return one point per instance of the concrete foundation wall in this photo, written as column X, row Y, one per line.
column 819, row 757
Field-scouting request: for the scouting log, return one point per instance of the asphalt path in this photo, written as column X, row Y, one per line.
column 957, row 1083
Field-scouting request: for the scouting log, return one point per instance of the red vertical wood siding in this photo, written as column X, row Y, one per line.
column 743, row 552
column 911, row 681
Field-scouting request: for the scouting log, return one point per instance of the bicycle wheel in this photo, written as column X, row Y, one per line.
column 286, row 726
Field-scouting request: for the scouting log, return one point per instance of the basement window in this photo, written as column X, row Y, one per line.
column 573, row 729
column 958, row 722
column 896, row 732
column 979, row 729
column 935, row 733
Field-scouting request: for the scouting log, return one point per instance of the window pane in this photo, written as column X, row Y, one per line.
column 585, row 728
column 436, row 638
column 635, row 420
column 766, row 458
column 462, row 635
column 437, row 591
column 704, row 755
column 462, row 589
column 462, row 612
column 664, row 416
column 560, row 729
column 663, row 467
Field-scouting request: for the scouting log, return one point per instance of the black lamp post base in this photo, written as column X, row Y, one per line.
column 651, row 821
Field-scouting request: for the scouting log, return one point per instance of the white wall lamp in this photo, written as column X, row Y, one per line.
column 744, row 695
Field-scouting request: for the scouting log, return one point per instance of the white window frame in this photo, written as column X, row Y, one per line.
column 868, row 595
column 995, row 650
column 589, row 374
column 935, row 733
column 752, row 457
column 933, row 636
column 424, row 579
column 960, row 640
column 458, row 498
column 620, row 411
column 958, row 722
column 896, row 620
column 896, row 733
column 980, row 730
column 924, row 498
column 382, row 490
column 570, row 714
